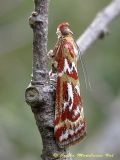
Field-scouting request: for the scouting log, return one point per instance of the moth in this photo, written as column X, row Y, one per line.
column 70, row 123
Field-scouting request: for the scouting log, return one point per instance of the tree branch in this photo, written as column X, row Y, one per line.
column 39, row 94
column 98, row 28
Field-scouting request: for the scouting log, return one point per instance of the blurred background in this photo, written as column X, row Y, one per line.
column 19, row 136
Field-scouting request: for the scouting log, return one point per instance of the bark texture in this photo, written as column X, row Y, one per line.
column 39, row 94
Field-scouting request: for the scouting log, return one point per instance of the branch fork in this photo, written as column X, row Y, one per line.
column 35, row 18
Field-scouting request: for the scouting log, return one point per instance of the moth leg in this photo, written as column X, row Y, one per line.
column 53, row 74
column 51, row 54
column 54, row 66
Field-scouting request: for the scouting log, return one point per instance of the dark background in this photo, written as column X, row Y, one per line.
column 19, row 136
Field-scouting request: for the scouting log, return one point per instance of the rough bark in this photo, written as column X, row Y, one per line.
column 39, row 94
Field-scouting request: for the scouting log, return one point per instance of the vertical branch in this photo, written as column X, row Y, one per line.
column 39, row 23
column 39, row 94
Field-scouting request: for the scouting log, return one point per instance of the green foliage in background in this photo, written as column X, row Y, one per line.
column 19, row 137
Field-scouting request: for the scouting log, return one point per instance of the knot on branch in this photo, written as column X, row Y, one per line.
column 37, row 95
column 35, row 19
column 103, row 33
column 33, row 96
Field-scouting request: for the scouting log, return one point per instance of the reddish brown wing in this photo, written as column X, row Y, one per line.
column 70, row 124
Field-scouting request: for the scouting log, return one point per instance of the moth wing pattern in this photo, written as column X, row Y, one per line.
column 70, row 125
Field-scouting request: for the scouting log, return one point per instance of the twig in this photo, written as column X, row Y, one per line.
column 98, row 28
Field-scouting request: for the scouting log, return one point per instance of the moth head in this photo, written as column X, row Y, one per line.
column 63, row 29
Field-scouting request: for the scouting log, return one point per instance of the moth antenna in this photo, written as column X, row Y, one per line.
column 86, row 77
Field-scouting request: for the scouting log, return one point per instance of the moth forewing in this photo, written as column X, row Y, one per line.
column 70, row 124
